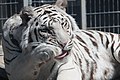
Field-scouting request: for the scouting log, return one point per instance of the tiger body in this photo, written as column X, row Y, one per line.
column 53, row 35
column 94, row 55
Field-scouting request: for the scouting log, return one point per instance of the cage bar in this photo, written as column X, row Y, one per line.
column 103, row 15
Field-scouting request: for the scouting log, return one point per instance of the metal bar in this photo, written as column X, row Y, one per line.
column 10, row 8
column 73, row 14
column 118, row 18
column 6, row 12
column 113, row 15
column 95, row 11
column 29, row 2
column 90, row 15
column 43, row 1
column 15, row 7
column 1, row 4
column 104, row 27
column 107, row 16
column 112, row 12
column 3, row 18
column 1, row 15
column 48, row 1
column 99, row 23
column 25, row 2
column 104, row 14
column 83, row 14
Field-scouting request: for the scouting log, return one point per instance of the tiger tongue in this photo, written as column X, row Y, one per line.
column 62, row 55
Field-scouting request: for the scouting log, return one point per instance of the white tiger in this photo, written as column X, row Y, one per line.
column 50, row 46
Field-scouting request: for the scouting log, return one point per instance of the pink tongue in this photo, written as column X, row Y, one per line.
column 61, row 56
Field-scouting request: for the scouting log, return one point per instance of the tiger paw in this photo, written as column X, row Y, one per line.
column 42, row 55
column 44, row 52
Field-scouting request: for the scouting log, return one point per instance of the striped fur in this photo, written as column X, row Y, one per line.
column 96, row 54
column 53, row 35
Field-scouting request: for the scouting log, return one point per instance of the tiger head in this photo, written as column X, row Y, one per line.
column 52, row 25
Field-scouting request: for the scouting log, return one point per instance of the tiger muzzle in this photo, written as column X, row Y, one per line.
column 66, row 48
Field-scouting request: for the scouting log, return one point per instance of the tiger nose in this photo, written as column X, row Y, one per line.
column 61, row 36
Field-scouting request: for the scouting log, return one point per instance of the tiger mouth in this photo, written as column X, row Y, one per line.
column 62, row 55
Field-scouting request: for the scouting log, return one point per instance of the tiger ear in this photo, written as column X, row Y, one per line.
column 61, row 4
column 26, row 14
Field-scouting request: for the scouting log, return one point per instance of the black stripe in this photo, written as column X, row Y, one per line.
column 54, row 10
column 82, row 71
column 107, row 42
column 117, row 47
column 8, row 61
column 13, row 40
column 36, row 8
column 7, row 42
column 112, row 49
column 39, row 32
column 39, row 11
column 53, row 14
column 52, row 68
column 36, row 36
column 8, row 73
column 92, row 72
column 80, row 39
column 91, row 31
column 87, row 50
column 45, row 18
column 89, row 34
column 118, row 37
column 66, row 25
column 19, row 51
column 83, row 74
column 112, row 36
column 94, row 43
column 88, row 65
column 44, row 21
column 101, row 36
column 30, row 38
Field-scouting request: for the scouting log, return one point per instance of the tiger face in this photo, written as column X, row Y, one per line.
column 52, row 22
column 50, row 27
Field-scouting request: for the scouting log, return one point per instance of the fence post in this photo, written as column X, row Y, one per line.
column 25, row 2
column 83, row 14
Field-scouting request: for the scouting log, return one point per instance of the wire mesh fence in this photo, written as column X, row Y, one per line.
column 8, row 8
column 103, row 15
